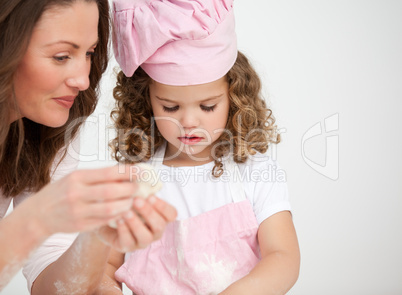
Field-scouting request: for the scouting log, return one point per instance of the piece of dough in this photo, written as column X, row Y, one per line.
column 148, row 184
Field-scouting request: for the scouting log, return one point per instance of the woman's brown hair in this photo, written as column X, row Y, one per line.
column 28, row 149
column 250, row 127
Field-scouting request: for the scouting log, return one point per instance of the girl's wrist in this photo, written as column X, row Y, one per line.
column 93, row 237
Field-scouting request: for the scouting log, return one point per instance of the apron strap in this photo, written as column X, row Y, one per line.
column 157, row 158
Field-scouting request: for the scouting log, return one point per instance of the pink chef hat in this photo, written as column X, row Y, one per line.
column 176, row 42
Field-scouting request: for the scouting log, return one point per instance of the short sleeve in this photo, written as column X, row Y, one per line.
column 46, row 254
column 265, row 186
column 4, row 204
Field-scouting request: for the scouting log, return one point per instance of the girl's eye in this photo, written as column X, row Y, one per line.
column 170, row 110
column 208, row 108
column 61, row 58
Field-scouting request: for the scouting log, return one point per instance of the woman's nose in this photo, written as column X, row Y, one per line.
column 79, row 77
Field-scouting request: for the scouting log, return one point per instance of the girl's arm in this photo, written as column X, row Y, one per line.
column 278, row 269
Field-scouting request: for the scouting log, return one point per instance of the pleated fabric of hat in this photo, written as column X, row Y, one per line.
column 176, row 42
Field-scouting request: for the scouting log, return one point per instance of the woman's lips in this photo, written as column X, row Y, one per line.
column 65, row 101
column 188, row 139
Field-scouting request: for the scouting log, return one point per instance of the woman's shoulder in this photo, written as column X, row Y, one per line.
column 67, row 159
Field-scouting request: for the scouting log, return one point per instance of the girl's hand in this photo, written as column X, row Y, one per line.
column 82, row 201
column 140, row 226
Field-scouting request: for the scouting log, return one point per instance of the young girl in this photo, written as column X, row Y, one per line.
column 193, row 110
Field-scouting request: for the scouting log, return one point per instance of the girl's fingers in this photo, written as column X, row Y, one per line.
column 143, row 223
column 126, row 241
column 139, row 230
column 155, row 222
column 164, row 209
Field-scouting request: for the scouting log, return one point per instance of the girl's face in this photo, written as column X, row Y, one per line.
column 190, row 118
column 56, row 64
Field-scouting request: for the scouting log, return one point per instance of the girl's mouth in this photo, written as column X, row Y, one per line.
column 189, row 139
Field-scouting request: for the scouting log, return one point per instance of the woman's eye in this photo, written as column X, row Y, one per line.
column 90, row 54
column 170, row 109
column 61, row 58
column 208, row 108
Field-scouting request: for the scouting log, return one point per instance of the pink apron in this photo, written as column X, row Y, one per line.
column 199, row 255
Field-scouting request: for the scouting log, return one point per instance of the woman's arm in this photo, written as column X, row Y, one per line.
column 80, row 201
column 20, row 234
column 278, row 269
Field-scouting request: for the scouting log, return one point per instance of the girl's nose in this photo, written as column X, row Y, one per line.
column 79, row 77
column 189, row 120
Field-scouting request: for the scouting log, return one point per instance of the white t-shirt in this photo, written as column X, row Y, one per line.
column 45, row 255
column 193, row 190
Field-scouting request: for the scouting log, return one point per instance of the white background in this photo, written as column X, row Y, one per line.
column 318, row 59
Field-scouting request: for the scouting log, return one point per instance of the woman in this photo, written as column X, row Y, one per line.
column 52, row 56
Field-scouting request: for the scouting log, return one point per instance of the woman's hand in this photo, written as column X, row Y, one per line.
column 83, row 201
column 140, row 226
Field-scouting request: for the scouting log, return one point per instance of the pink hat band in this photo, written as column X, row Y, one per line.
column 177, row 42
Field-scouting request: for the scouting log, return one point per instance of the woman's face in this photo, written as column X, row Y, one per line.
column 56, row 64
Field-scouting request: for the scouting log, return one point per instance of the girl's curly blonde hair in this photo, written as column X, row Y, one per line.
column 250, row 126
